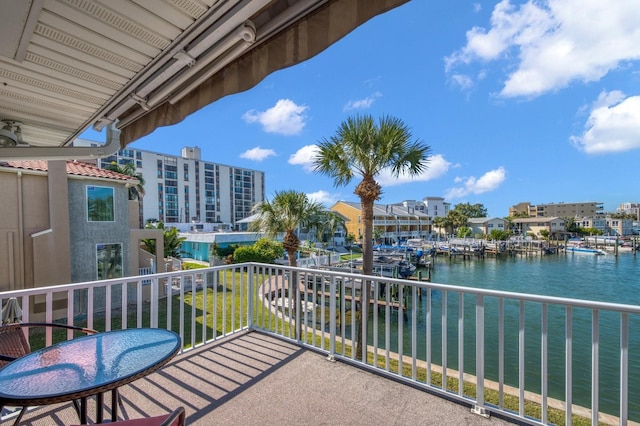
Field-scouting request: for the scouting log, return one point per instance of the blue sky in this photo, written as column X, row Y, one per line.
column 519, row 101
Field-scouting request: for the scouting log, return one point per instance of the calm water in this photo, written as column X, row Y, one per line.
column 602, row 278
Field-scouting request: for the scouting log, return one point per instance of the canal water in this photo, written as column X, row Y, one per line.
column 606, row 278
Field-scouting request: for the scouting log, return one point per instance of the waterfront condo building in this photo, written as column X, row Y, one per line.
column 392, row 223
column 180, row 189
column 584, row 209
column 630, row 208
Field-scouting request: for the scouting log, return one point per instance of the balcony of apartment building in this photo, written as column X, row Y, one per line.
column 247, row 356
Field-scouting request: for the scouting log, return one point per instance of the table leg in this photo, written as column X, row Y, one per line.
column 99, row 407
column 114, row 405
column 83, row 410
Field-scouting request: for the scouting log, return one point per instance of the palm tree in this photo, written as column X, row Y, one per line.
column 129, row 169
column 377, row 234
column 439, row 222
column 171, row 240
column 365, row 148
column 287, row 212
column 333, row 222
column 457, row 220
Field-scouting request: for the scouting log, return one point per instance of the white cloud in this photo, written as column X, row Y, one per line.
column 477, row 7
column 304, row 157
column 462, row 80
column 257, row 154
column 362, row 103
column 490, row 181
column 323, row 197
column 550, row 44
column 284, row 118
column 613, row 125
column 436, row 167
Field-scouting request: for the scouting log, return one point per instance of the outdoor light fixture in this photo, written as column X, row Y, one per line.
column 9, row 137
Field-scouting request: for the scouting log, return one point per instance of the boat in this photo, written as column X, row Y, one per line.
column 392, row 267
column 388, row 266
column 586, row 250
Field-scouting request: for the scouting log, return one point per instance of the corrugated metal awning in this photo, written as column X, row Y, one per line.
column 69, row 65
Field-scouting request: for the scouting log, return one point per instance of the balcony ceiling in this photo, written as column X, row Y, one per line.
column 70, row 65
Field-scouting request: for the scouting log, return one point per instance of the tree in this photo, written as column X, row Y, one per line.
column 172, row 242
column 570, row 225
column 349, row 239
column 377, row 234
column 264, row 251
column 362, row 147
column 456, row 219
column 222, row 252
column 463, row 232
column 498, row 235
column 333, row 222
column 468, row 210
column 440, row 222
column 129, row 169
column 286, row 213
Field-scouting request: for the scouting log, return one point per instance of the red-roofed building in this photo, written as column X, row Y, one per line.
column 66, row 221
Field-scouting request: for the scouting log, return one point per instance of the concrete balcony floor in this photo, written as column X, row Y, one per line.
column 255, row 379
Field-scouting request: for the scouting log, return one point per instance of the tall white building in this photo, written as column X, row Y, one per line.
column 436, row 206
column 185, row 188
column 630, row 208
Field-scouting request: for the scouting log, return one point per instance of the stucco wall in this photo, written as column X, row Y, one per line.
column 86, row 235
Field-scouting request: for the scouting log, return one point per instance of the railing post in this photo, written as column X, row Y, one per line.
column 332, row 319
column 154, row 303
column 297, row 305
column 595, row 370
column 250, row 295
column 479, row 407
column 624, row 367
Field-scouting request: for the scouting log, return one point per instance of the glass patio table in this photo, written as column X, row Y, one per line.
column 85, row 366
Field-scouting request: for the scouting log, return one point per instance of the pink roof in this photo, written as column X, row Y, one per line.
column 76, row 168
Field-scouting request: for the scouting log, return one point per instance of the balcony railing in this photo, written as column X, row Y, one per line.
column 532, row 358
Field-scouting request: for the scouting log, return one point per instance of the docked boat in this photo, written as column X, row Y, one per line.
column 389, row 266
column 585, row 250
column 392, row 267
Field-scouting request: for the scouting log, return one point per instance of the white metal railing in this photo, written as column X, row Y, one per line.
column 319, row 260
column 498, row 351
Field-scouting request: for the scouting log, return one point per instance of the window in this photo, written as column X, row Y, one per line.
column 100, row 204
column 109, row 261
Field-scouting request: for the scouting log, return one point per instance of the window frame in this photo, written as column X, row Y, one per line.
column 112, row 214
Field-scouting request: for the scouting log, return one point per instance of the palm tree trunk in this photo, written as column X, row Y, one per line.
column 367, row 270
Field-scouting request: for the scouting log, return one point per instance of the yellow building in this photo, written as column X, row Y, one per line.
column 391, row 223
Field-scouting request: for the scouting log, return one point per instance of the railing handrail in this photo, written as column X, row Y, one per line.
column 529, row 297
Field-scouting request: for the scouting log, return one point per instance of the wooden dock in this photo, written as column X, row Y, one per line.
column 381, row 303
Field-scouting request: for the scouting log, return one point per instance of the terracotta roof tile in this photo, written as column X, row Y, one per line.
column 76, row 168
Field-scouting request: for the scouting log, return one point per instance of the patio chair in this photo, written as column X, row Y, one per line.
column 14, row 344
column 175, row 418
